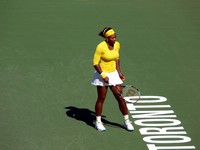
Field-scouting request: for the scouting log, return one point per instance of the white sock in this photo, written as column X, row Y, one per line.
column 98, row 118
column 126, row 118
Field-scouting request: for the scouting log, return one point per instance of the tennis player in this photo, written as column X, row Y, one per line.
column 107, row 74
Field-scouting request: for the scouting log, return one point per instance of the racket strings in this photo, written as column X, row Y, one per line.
column 130, row 92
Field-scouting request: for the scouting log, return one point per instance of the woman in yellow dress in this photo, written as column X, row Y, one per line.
column 107, row 74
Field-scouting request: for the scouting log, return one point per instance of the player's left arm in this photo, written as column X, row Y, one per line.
column 119, row 70
column 117, row 44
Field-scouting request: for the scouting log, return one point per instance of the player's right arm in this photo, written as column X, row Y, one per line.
column 96, row 61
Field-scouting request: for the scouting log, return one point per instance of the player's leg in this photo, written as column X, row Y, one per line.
column 117, row 90
column 101, row 91
column 118, row 96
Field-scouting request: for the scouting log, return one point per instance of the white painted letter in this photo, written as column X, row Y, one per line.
column 161, row 122
column 153, row 114
column 147, row 99
column 167, row 139
column 157, row 131
column 153, row 147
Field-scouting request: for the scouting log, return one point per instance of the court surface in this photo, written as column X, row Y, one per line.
column 46, row 50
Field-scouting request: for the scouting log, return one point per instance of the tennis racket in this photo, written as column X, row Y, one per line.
column 130, row 93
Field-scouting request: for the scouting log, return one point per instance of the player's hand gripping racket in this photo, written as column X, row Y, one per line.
column 130, row 93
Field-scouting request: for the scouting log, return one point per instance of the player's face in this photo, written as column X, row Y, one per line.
column 112, row 39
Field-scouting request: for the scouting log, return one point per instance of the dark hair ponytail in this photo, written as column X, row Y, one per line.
column 102, row 33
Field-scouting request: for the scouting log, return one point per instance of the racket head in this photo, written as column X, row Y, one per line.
column 131, row 92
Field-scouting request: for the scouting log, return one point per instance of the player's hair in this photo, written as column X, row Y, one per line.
column 102, row 33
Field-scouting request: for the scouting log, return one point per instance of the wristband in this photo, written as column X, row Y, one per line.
column 103, row 75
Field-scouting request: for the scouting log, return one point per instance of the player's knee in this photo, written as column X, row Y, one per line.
column 118, row 97
column 101, row 99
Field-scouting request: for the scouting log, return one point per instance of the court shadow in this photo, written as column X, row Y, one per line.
column 87, row 116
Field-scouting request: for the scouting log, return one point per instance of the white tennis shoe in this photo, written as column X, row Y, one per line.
column 129, row 125
column 99, row 126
